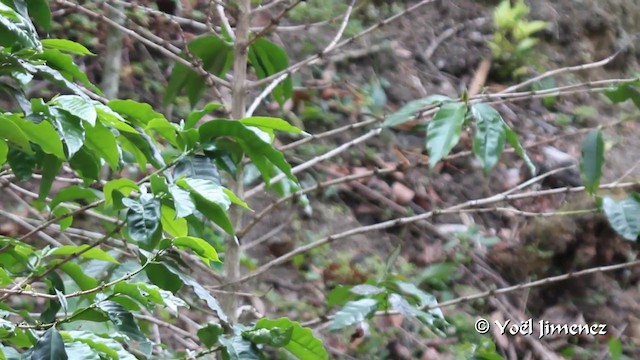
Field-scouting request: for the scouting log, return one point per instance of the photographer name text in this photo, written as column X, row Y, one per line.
column 544, row 328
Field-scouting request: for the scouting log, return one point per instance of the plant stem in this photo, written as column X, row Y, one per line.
column 229, row 301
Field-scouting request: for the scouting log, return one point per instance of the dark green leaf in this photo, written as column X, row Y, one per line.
column 210, row 333
column 143, row 143
column 353, row 312
column 85, row 163
column 303, row 344
column 81, row 351
column 49, row 347
column 623, row 93
column 44, row 135
column 489, row 137
column 125, row 323
column 70, row 129
column 55, row 284
column 143, row 221
column 123, row 186
column 50, row 167
column 443, row 132
column 197, row 167
column 64, row 64
column 22, row 164
column 73, row 193
column 624, row 215
column 16, row 30
column 592, row 161
column 207, row 189
column 163, row 278
column 102, row 142
column 411, row 108
column 267, row 59
column 39, row 9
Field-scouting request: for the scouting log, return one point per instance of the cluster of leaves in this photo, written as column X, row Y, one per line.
column 160, row 216
column 513, row 38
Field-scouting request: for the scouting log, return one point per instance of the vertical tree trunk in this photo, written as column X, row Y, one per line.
column 112, row 63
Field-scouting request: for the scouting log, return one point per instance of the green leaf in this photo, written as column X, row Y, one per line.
column 69, row 71
column 16, row 29
column 216, row 57
column 70, row 129
column 4, row 151
column 125, row 323
column 66, row 222
column 275, row 337
column 73, row 193
column 77, row 106
column 182, row 201
column 201, row 292
column 205, row 251
column 512, row 138
column 237, row 348
column 210, row 334
column 303, row 344
column 50, row 347
column 136, row 112
column 111, row 348
column 159, row 275
column 65, row 45
column 44, row 135
column 50, row 167
column 214, row 211
column 163, row 127
column 143, row 221
column 353, row 313
column 624, row 215
column 81, row 351
column 411, row 108
column 443, row 132
column 94, row 253
column 623, row 93
column 267, row 59
column 489, row 138
column 366, row 289
column 197, row 167
column 592, row 160
column 172, row 225
column 22, row 164
column 256, row 148
column 269, row 123
column 40, row 11
column 144, row 144
column 113, row 119
column 123, row 185
column 85, row 163
column 14, row 134
column 615, row 348
column 102, row 142
column 197, row 115
column 145, row 294
column 208, row 189
column 77, row 274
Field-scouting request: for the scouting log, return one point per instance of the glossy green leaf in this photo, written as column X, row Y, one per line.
column 65, row 45
column 86, row 164
column 182, row 201
column 216, row 57
column 592, row 161
column 44, row 135
column 160, row 276
column 197, row 167
column 125, row 323
column 102, row 142
column 64, row 64
column 163, row 127
column 94, row 253
column 443, row 132
column 103, row 344
column 70, row 129
column 143, row 221
column 77, row 274
column 207, row 189
column 269, row 123
column 201, row 247
column 210, row 333
column 77, row 106
column 73, row 193
column 136, row 112
column 16, row 30
column 50, row 347
column 123, row 186
column 353, row 312
column 172, row 225
column 14, row 134
column 489, row 137
column 406, row 112
column 267, row 59
column 624, row 215
column 145, row 294
column 260, row 152
column 303, row 344
column 81, row 351
column 197, row 115
column 113, row 119
column 144, row 144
